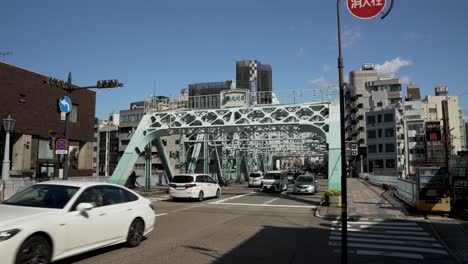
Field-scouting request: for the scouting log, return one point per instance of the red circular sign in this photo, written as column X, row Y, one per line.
column 61, row 144
column 365, row 9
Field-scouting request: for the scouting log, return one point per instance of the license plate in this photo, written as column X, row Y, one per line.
column 180, row 188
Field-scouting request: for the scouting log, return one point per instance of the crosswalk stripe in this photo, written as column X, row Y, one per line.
column 355, row 234
column 412, row 243
column 378, row 223
column 389, row 247
column 384, row 227
column 385, row 231
column 389, row 254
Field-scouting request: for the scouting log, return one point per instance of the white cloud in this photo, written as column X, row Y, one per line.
column 405, row 80
column 390, row 68
column 350, row 36
column 322, row 83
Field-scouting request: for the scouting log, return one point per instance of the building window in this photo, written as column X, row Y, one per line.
column 378, row 163
column 389, row 132
column 370, row 120
column 177, row 142
column 390, row 147
column 379, row 118
column 380, row 133
column 372, row 149
column 164, row 141
column 390, row 163
column 380, row 148
column 432, row 110
column 371, row 134
column 388, row 117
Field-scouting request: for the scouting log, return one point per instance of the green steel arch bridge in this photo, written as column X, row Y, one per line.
column 252, row 136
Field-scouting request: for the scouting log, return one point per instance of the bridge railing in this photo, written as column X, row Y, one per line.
column 212, row 101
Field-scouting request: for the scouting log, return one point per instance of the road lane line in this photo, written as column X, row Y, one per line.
column 235, row 197
column 269, row 205
column 271, row 201
column 160, row 214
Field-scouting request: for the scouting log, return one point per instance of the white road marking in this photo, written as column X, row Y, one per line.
column 355, row 234
column 269, row 205
column 391, row 227
column 412, row 243
column 272, row 200
column 378, row 223
column 235, row 197
column 389, row 254
column 406, row 248
column 385, row 231
column 160, row 214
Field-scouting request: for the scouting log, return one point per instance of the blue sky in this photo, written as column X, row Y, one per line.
column 177, row 42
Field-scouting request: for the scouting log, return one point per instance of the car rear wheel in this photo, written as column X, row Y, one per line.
column 135, row 233
column 218, row 193
column 35, row 249
column 200, row 196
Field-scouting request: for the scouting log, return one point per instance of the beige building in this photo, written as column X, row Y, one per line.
column 432, row 107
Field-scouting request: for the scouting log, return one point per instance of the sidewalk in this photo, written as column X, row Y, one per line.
column 366, row 201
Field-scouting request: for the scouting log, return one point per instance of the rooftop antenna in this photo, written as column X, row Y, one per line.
column 5, row 53
column 154, row 88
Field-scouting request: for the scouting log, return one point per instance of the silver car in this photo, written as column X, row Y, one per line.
column 305, row 184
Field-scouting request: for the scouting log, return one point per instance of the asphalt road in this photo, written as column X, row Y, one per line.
column 246, row 226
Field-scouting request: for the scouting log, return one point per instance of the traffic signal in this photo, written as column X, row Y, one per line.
column 108, row 84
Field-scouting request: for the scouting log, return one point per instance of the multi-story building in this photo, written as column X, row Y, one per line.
column 432, row 106
column 257, row 78
column 206, row 95
column 106, row 147
column 385, row 141
column 26, row 97
column 414, row 131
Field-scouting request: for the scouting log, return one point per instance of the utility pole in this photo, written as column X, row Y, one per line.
column 68, row 87
column 447, row 145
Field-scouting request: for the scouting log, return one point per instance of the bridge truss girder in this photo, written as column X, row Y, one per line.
column 303, row 127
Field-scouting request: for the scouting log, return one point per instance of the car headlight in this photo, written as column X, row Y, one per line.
column 7, row 234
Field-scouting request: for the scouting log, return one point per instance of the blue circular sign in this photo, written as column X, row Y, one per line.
column 65, row 104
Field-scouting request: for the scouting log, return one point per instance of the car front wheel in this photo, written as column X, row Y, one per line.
column 135, row 233
column 35, row 249
column 200, row 196
column 218, row 193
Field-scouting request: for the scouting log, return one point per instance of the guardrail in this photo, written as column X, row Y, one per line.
column 380, row 179
column 406, row 191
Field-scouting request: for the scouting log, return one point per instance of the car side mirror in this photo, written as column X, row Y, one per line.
column 83, row 207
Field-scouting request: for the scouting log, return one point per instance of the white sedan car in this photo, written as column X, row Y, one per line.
column 54, row 220
column 197, row 186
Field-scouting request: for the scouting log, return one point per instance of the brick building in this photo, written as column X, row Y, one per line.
column 33, row 103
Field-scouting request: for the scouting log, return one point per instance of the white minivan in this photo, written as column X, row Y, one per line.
column 274, row 181
column 197, row 186
column 255, row 179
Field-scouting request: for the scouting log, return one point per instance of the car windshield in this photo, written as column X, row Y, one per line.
column 43, row 195
column 182, row 179
column 306, row 179
column 273, row 176
column 255, row 175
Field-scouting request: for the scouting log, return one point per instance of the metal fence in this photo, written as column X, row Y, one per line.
column 212, row 101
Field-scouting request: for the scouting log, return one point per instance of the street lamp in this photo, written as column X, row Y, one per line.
column 68, row 87
column 8, row 124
